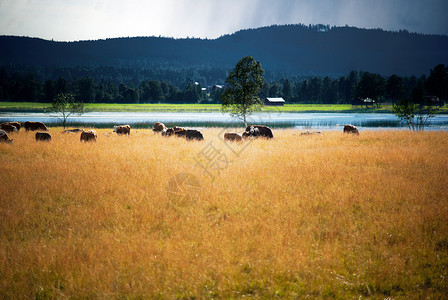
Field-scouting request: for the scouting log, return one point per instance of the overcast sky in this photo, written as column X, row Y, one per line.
column 68, row 20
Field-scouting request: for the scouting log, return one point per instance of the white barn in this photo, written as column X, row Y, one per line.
column 274, row 101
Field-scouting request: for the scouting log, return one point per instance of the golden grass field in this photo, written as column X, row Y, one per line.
column 331, row 216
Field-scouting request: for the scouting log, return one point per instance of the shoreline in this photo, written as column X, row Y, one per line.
column 39, row 107
column 296, row 120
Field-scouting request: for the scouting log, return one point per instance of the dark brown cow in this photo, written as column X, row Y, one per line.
column 263, row 131
column 192, row 134
column 8, row 127
column 351, row 129
column 233, row 136
column 158, row 127
column 35, row 126
column 168, row 132
column 43, row 136
column 123, row 129
column 180, row 133
column 4, row 137
column 17, row 125
column 88, row 136
column 171, row 131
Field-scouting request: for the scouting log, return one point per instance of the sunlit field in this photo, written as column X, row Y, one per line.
column 319, row 216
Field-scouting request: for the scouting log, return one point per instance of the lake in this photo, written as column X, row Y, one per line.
column 327, row 121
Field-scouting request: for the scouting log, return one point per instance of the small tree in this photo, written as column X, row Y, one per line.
column 243, row 84
column 64, row 106
column 416, row 116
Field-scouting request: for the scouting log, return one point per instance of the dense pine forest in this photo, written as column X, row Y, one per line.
column 351, row 88
column 303, row 64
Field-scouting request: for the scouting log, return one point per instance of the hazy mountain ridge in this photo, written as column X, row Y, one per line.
column 292, row 49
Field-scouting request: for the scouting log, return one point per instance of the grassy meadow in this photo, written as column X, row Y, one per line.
column 320, row 216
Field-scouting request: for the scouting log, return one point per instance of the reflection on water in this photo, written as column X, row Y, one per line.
column 297, row 120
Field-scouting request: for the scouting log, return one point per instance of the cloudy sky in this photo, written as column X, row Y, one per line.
column 68, row 20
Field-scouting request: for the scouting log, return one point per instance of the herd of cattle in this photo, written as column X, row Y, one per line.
column 251, row 131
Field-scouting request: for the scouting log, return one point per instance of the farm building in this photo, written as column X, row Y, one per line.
column 274, row 101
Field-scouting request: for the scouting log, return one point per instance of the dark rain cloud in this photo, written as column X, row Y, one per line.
column 94, row 19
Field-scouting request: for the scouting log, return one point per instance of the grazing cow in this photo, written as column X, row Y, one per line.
column 8, row 127
column 192, row 134
column 87, row 136
column 43, row 136
column 351, row 129
column 123, row 129
column 180, row 133
column 251, row 131
column 4, row 137
column 76, row 130
column 254, row 131
column 177, row 128
column 233, row 136
column 35, row 126
column 158, row 127
column 16, row 124
column 168, row 132
column 263, row 131
column 171, row 131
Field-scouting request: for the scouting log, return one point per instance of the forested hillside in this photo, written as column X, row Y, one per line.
column 290, row 49
column 303, row 64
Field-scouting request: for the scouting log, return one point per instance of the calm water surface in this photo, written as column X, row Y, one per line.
column 297, row 120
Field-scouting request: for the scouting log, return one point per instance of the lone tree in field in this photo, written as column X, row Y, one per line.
column 416, row 116
column 243, row 84
column 64, row 106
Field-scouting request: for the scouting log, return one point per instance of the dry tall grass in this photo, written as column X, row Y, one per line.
column 322, row 216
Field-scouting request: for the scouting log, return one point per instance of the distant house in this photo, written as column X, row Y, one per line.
column 364, row 101
column 274, row 101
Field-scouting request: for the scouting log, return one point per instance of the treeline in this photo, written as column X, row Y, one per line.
column 358, row 86
column 349, row 89
column 18, row 88
column 130, row 76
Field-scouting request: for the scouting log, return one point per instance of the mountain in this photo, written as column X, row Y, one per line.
column 290, row 49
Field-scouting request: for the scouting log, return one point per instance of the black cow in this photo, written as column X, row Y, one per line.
column 258, row 130
column 43, row 136
column 192, row 134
